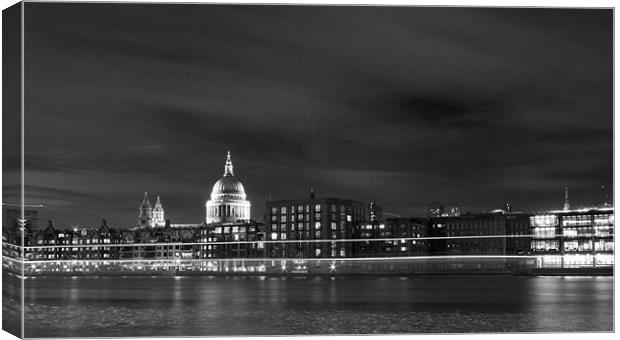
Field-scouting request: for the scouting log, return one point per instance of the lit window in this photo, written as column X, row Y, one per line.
column 317, row 225
column 274, row 236
column 317, row 252
column 283, row 210
column 317, row 208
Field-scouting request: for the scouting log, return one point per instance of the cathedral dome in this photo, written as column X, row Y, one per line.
column 227, row 203
column 228, row 187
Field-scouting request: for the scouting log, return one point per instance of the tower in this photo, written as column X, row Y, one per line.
column 566, row 202
column 158, row 214
column 145, row 213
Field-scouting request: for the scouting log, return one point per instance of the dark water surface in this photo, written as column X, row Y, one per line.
column 178, row 306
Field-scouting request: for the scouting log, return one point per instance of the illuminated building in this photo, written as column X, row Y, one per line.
column 151, row 216
column 579, row 238
column 313, row 219
column 436, row 209
column 375, row 212
column 404, row 228
column 145, row 212
column 566, row 201
column 228, row 202
column 229, row 235
column 158, row 214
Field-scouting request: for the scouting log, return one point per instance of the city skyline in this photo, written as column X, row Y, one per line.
column 472, row 107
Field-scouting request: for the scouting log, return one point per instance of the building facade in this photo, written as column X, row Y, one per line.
column 580, row 238
column 327, row 220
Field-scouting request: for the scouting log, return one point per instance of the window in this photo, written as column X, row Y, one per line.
column 544, row 232
column 334, row 226
column 317, row 252
column 283, row 236
column 283, row 218
column 283, row 210
column 317, row 225
column 274, row 210
column 544, row 221
column 317, row 208
column 274, row 236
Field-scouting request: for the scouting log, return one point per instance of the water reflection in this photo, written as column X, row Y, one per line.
column 177, row 306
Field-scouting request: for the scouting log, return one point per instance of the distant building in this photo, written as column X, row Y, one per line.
column 228, row 202
column 149, row 216
column 436, row 209
column 13, row 215
column 375, row 213
column 469, row 225
column 403, row 228
column 158, row 214
column 313, row 219
column 145, row 212
column 566, row 201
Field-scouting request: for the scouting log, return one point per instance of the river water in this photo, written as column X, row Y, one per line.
column 182, row 306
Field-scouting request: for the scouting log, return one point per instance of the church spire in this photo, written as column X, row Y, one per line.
column 228, row 168
column 566, row 202
column 158, row 205
column 145, row 201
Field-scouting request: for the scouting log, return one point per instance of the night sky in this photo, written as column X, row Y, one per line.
column 401, row 106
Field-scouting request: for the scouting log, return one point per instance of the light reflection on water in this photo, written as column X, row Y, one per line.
column 177, row 306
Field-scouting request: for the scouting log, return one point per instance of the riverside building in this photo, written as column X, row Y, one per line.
column 578, row 238
column 313, row 219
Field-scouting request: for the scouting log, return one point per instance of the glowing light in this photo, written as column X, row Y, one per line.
column 332, row 266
